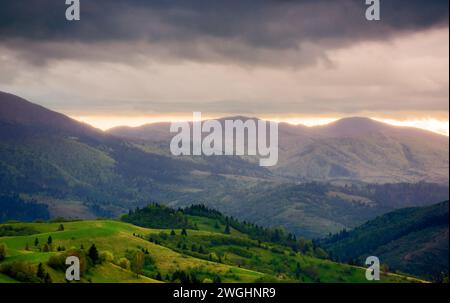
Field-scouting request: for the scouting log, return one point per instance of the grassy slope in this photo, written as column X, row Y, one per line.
column 117, row 237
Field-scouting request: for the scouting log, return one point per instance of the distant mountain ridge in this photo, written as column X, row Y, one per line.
column 351, row 149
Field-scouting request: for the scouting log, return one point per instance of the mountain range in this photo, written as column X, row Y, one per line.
column 351, row 148
column 328, row 178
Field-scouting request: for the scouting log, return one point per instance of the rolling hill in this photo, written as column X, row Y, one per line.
column 411, row 240
column 206, row 253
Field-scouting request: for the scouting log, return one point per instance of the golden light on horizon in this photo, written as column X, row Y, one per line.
column 433, row 125
column 108, row 122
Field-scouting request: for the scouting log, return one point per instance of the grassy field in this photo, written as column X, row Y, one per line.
column 232, row 257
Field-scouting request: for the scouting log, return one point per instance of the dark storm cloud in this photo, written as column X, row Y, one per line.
column 245, row 31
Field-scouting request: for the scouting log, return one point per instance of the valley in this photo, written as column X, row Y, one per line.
column 76, row 171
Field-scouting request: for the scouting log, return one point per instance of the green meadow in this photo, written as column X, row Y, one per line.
column 204, row 254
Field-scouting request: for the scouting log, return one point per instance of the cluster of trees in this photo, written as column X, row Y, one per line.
column 181, row 276
column 256, row 232
column 26, row 272
column 139, row 261
column 157, row 216
column 42, row 274
column 88, row 259
column 46, row 247
column 12, row 231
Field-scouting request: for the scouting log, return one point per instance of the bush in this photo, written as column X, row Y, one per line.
column 58, row 262
column 20, row 271
column 46, row 248
column 106, row 256
column 124, row 263
column 312, row 272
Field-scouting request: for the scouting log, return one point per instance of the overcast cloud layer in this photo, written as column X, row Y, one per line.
column 310, row 57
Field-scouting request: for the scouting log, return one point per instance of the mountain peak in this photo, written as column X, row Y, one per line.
column 353, row 126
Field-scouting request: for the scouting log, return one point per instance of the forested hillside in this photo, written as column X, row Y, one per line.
column 412, row 240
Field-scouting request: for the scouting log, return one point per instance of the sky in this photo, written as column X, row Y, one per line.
column 131, row 62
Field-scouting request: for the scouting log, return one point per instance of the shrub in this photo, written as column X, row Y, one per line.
column 58, row 262
column 20, row 271
column 106, row 256
column 124, row 263
column 46, row 248
column 312, row 272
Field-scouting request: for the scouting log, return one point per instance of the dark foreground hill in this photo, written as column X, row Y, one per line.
column 411, row 240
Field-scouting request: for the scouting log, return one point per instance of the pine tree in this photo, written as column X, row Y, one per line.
column 184, row 232
column 49, row 240
column 40, row 272
column 47, row 279
column 158, row 276
column 298, row 271
column 227, row 229
column 36, row 242
column 93, row 254
column 172, row 233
